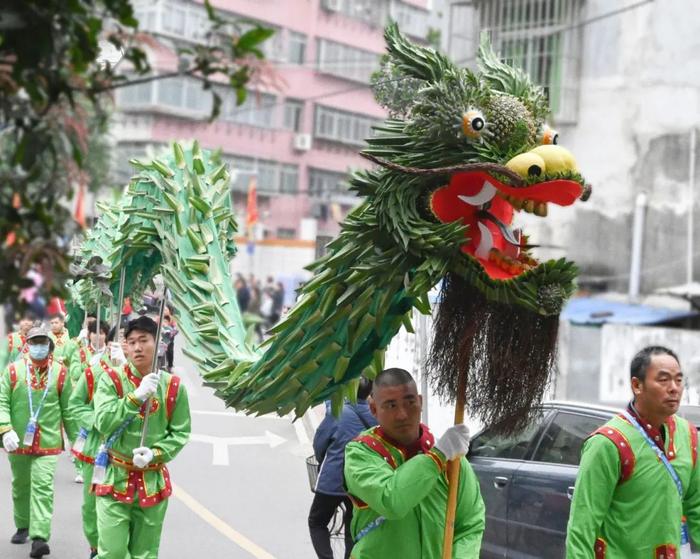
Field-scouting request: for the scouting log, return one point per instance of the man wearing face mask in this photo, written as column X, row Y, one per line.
column 133, row 496
column 34, row 394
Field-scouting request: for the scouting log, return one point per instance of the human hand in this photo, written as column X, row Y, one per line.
column 148, row 386
column 10, row 441
column 142, row 456
column 454, row 442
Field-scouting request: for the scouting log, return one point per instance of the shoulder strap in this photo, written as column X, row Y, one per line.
column 627, row 458
column 115, row 379
column 61, row 380
column 10, row 342
column 693, row 442
column 171, row 396
column 13, row 376
column 90, row 380
column 378, row 447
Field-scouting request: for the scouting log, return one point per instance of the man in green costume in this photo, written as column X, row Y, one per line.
column 395, row 476
column 12, row 346
column 627, row 500
column 34, row 394
column 64, row 346
column 132, row 498
column 89, row 439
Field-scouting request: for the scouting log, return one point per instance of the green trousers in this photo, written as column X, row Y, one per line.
column 32, row 492
column 89, row 507
column 127, row 530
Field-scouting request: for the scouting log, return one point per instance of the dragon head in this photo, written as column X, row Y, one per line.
column 477, row 148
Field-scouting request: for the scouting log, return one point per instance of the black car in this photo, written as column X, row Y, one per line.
column 527, row 480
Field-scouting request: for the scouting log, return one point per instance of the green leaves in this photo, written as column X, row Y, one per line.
column 250, row 41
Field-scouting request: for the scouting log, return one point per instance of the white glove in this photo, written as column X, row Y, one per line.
column 148, row 386
column 142, row 456
column 454, row 442
column 10, row 441
column 95, row 359
column 116, row 354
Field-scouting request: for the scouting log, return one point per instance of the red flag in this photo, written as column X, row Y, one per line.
column 79, row 214
column 252, row 207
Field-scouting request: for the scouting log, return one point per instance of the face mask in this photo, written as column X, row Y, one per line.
column 39, row 352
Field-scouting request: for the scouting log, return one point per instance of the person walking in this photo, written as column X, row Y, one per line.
column 132, row 497
column 14, row 345
column 638, row 474
column 395, row 476
column 34, row 395
column 329, row 443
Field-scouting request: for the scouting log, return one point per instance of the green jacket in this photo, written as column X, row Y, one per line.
column 168, row 432
column 65, row 348
column 10, row 349
column 14, row 405
column 626, row 504
column 83, row 410
column 408, row 489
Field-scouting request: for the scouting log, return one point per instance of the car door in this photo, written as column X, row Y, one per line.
column 495, row 459
column 542, row 488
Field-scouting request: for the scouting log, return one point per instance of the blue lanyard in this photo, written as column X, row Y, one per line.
column 32, row 415
column 660, row 453
column 376, row 523
column 118, row 433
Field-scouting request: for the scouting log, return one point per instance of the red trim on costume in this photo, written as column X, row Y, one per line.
column 378, row 447
column 600, row 548
column 83, row 356
column 82, row 457
column 667, row 551
column 672, row 453
column 90, row 380
column 10, row 343
column 171, row 396
column 627, row 459
column 136, row 480
column 35, row 449
column 61, row 380
column 693, row 442
column 136, row 381
column 13, row 376
column 115, row 378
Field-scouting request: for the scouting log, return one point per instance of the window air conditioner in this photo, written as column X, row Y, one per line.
column 302, row 142
column 332, row 5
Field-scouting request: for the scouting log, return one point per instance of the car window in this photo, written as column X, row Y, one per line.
column 563, row 439
column 515, row 446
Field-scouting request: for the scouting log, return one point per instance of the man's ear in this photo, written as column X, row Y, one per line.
column 637, row 386
column 372, row 406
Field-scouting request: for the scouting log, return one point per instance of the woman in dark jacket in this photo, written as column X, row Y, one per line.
column 329, row 447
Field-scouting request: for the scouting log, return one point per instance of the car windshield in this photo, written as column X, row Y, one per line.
column 489, row 444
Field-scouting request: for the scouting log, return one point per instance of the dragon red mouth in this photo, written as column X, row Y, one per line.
column 487, row 205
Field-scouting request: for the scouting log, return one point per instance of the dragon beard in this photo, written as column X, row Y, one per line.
column 506, row 352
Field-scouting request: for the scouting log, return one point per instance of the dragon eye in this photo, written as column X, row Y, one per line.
column 473, row 123
column 549, row 135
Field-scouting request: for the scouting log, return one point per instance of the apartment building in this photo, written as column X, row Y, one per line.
column 297, row 141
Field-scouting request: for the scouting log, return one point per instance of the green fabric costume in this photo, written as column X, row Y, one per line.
column 33, row 467
column 10, row 349
column 408, row 489
column 131, row 502
column 83, row 413
column 64, row 347
column 626, row 504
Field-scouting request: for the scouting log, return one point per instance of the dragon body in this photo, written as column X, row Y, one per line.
column 454, row 166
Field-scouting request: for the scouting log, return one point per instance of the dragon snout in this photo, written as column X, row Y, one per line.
column 543, row 160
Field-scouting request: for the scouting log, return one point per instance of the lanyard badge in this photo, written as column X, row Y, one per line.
column 34, row 414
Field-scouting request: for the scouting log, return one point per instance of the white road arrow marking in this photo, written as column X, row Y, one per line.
column 220, row 444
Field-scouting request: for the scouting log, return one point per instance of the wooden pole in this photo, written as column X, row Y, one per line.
column 453, row 468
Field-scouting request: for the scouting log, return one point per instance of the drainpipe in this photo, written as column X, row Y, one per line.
column 691, row 207
column 640, row 206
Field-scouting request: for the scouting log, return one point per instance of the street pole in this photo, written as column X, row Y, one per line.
column 637, row 246
column 691, row 206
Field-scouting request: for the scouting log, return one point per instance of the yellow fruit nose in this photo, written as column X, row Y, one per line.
column 556, row 158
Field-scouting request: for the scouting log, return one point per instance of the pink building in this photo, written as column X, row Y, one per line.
column 300, row 142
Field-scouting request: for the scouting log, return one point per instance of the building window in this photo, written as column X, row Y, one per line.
column 345, row 61
column 542, row 38
column 412, row 20
column 286, row 233
column 297, row 48
column 271, row 177
column 257, row 110
column 289, row 179
column 135, row 95
column 372, row 12
column 293, row 112
column 341, row 126
column 323, row 184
